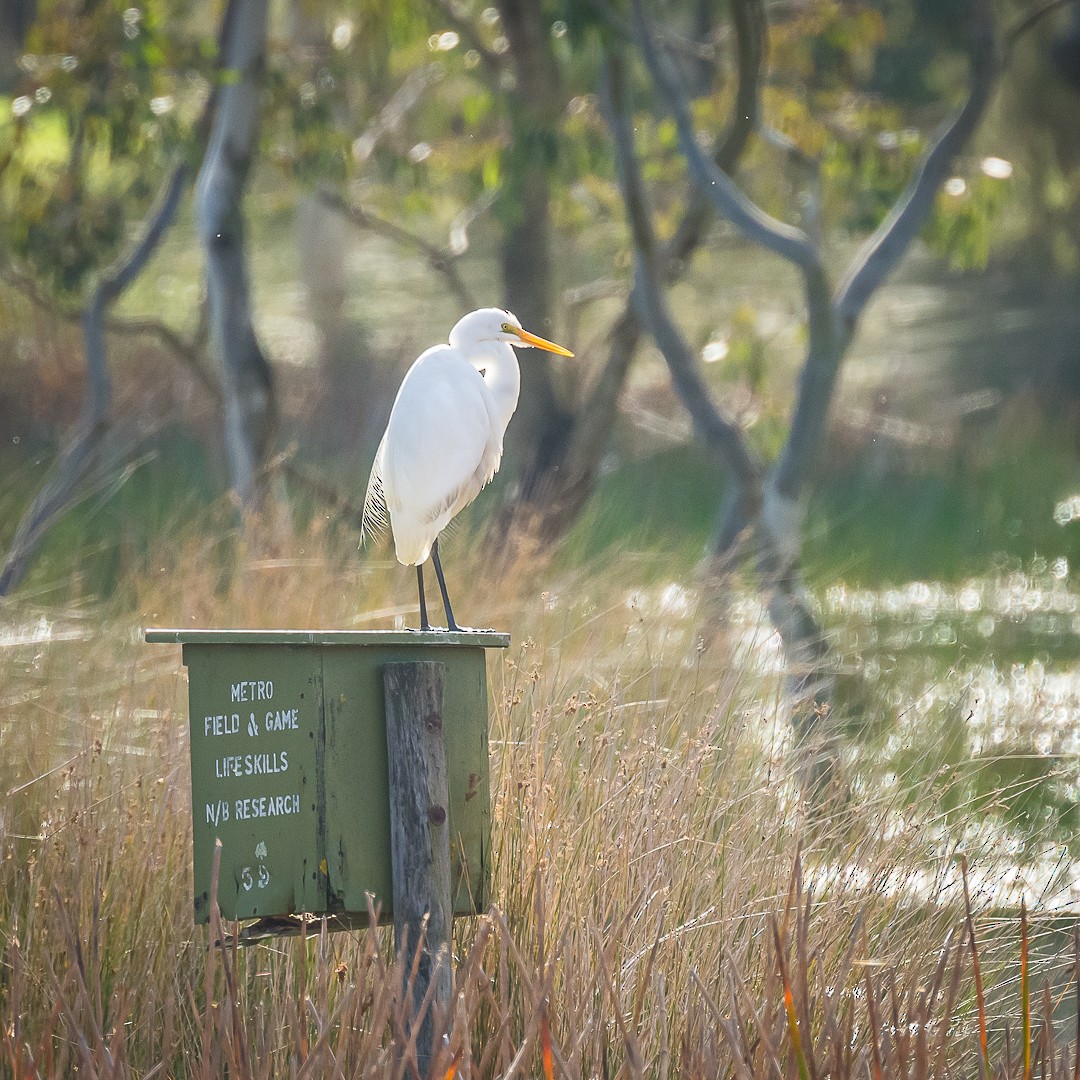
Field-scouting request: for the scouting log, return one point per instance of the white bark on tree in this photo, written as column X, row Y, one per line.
column 246, row 378
column 831, row 320
column 718, row 432
column 773, row 511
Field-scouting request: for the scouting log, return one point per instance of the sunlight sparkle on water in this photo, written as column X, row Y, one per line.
column 715, row 351
column 674, row 600
column 996, row 168
column 342, row 36
column 1017, row 595
column 39, row 632
column 974, row 688
column 1067, row 510
column 444, row 42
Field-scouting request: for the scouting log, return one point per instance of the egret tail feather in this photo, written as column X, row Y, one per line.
column 376, row 519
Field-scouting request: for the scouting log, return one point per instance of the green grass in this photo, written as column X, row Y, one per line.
column 942, row 523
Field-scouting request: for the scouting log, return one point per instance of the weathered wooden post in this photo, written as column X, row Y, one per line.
column 420, row 840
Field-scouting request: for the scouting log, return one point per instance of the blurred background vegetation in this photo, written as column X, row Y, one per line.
column 407, row 168
column 419, row 158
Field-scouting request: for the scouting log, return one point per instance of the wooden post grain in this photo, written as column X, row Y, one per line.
column 420, row 835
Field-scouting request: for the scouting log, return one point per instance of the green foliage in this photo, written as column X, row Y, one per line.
column 1039, row 120
column 108, row 96
column 746, row 353
column 830, row 45
column 919, row 38
column 431, row 117
column 865, row 175
column 961, row 228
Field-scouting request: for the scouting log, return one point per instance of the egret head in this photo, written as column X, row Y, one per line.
column 494, row 324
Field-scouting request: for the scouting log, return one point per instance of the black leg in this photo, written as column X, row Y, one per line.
column 424, row 624
column 450, row 623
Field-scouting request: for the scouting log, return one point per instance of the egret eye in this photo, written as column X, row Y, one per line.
column 506, row 328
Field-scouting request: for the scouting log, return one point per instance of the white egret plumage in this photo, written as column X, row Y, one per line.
column 444, row 439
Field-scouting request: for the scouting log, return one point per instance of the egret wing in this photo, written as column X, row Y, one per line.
column 441, row 446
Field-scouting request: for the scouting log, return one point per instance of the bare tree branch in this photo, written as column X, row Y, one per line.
column 810, row 167
column 748, row 19
column 696, row 49
column 776, row 520
column 459, row 227
column 551, row 505
column 830, row 322
column 189, row 352
column 782, row 239
column 893, row 237
column 1028, row 22
column 392, row 114
column 719, row 433
column 817, row 378
column 82, row 453
column 871, row 266
column 601, row 399
column 568, row 487
column 322, row 489
column 438, row 259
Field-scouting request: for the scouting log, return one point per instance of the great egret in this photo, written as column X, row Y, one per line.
column 444, row 439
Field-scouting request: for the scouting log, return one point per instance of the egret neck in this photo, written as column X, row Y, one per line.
column 498, row 363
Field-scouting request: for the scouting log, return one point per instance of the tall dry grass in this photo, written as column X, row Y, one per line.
column 666, row 901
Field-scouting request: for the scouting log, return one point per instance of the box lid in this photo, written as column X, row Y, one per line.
column 485, row 639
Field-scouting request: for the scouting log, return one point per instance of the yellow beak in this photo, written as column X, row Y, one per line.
column 541, row 343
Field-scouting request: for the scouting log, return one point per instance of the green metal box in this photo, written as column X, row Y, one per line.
column 289, row 766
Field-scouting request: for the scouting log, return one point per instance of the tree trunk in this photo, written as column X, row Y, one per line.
column 540, row 423
column 246, row 378
column 322, row 238
column 1065, row 50
column 556, row 497
column 775, row 524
